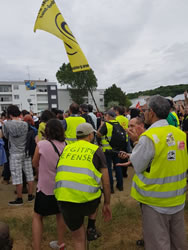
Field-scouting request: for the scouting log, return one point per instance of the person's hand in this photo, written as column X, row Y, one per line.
column 123, row 155
column 106, row 212
column 124, row 164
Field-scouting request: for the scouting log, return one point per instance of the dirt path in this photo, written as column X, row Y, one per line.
column 7, row 194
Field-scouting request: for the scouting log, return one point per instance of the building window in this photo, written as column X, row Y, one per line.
column 16, row 87
column 41, row 89
column 16, row 97
column 53, row 96
column 54, row 105
column 5, row 88
column 53, row 87
column 42, row 107
column 5, row 98
column 101, row 99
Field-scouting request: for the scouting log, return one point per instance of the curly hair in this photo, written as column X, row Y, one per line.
column 54, row 130
column 47, row 115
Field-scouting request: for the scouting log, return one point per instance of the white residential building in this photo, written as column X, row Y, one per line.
column 37, row 95
column 30, row 95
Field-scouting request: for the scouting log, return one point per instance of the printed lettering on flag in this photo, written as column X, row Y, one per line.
column 51, row 20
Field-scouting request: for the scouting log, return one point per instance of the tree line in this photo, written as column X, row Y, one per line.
column 170, row 90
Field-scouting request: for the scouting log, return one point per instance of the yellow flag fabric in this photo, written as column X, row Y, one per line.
column 50, row 19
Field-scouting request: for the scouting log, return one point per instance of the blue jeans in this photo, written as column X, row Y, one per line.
column 110, row 158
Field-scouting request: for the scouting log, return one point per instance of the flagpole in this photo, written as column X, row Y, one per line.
column 93, row 99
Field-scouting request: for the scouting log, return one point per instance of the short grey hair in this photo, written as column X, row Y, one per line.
column 160, row 106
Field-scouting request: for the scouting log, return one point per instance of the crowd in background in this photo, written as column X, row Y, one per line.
column 23, row 154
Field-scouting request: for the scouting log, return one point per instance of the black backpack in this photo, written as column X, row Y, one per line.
column 119, row 139
column 30, row 142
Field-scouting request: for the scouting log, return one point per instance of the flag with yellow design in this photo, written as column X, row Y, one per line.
column 50, row 19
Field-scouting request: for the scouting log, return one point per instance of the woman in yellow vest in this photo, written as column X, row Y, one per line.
column 80, row 170
column 160, row 161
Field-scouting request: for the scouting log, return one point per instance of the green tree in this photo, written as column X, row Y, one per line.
column 114, row 94
column 78, row 83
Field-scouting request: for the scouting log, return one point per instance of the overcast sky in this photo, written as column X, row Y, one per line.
column 136, row 44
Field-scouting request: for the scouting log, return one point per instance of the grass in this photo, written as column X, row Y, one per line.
column 118, row 234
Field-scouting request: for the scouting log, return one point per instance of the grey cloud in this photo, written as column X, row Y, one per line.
column 137, row 44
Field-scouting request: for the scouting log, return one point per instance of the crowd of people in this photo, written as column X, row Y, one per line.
column 77, row 156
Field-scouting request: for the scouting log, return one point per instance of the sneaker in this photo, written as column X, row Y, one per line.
column 17, row 202
column 30, row 197
column 120, row 188
column 54, row 245
column 112, row 191
column 92, row 234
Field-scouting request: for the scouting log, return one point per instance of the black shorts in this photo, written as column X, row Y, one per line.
column 45, row 204
column 74, row 213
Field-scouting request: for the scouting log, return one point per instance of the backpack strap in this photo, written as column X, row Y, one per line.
column 55, row 148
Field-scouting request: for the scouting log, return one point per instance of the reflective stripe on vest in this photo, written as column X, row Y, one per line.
column 76, row 186
column 79, row 171
column 169, row 194
column 104, row 142
column 169, row 179
column 77, row 179
column 71, row 139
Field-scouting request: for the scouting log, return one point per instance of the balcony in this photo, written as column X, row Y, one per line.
column 5, row 99
column 5, row 89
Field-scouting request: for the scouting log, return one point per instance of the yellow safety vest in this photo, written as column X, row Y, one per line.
column 165, row 184
column 104, row 142
column 41, row 130
column 178, row 121
column 72, row 123
column 123, row 121
column 77, row 179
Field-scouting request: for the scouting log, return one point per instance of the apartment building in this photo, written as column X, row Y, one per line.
column 38, row 95
column 34, row 95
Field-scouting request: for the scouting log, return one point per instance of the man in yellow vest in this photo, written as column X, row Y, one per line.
column 80, row 170
column 160, row 161
column 123, row 121
column 70, row 123
column 105, row 133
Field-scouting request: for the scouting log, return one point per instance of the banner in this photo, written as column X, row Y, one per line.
column 30, row 85
column 50, row 19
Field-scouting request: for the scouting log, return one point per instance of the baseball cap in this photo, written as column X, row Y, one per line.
column 111, row 113
column 84, row 129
